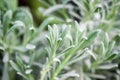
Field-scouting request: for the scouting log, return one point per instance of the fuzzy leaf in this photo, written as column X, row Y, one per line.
column 20, row 63
column 6, row 21
column 32, row 57
column 107, row 66
column 15, row 66
column 45, row 23
column 17, row 24
column 112, row 56
column 90, row 39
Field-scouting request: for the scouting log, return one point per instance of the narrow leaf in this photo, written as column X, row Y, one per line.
column 45, row 23
column 17, row 24
column 6, row 21
column 90, row 39
column 107, row 66
column 15, row 66
column 111, row 57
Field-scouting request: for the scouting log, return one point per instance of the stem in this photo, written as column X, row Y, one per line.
column 60, row 67
column 5, row 70
column 30, row 77
column 46, row 69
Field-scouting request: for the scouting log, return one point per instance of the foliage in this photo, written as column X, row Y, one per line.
column 82, row 41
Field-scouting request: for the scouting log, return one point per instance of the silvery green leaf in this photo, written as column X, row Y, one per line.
column 45, row 23
column 111, row 56
column 20, row 62
column 51, row 33
column 110, row 47
column 74, row 14
column 92, row 54
column 83, row 56
column 90, row 39
column 25, row 58
column 17, row 24
column 32, row 28
column 30, row 46
column 106, row 40
column 23, row 14
column 28, row 71
column 97, row 76
column 65, row 50
column 55, row 8
column 69, row 74
column 107, row 66
column 5, row 72
column 102, row 48
column 55, row 32
column 64, row 32
column 19, row 48
column 15, row 66
column 32, row 57
column 49, row 40
column 59, row 42
column 56, row 60
column 23, row 75
column 6, row 21
column 6, row 58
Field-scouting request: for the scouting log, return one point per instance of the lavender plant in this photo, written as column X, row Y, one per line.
column 76, row 40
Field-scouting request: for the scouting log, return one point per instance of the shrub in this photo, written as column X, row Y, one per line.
column 81, row 42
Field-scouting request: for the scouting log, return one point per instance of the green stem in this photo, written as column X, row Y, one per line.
column 5, row 70
column 60, row 67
